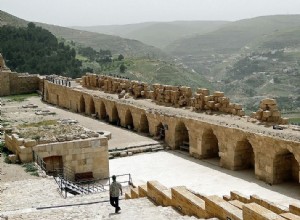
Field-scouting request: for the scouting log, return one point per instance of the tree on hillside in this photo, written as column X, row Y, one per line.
column 35, row 50
column 122, row 68
column 120, row 57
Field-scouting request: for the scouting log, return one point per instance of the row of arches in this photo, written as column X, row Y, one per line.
column 285, row 165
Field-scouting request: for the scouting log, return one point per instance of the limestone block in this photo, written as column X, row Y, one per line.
column 142, row 189
column 269, row 101
column 259, row 114
column 23, row 149
column 211, row 104
column 284, row 121
column 295, row 208
column 290, row 216
column 188, row 203
column 134, row 193
column 254, row 211
column 207, row 98
column 160, row 194
column 30, row 143
column 238, row 106
column 218, row 94
column 235, row 195
column 203, row 91
column 241, row 113
column 276, row 113
column 128, row 195
column 237, row 204
column 266, row 114
column 217, row 207
column 218, row 105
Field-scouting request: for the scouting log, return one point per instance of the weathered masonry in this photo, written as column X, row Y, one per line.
column 272, row 158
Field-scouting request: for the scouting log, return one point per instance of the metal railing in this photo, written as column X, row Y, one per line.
column 65, row 179
column 39, row 161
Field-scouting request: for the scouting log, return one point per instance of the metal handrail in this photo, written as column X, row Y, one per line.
column 39, row 161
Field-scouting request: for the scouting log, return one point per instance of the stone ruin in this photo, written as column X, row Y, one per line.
column 182, row 96
column 3, row 67
column 268, row 112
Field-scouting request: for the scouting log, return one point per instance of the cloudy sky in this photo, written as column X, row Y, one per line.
column 103, row 12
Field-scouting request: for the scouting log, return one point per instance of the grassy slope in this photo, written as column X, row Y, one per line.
column 97, row 41
column 233, row 36
column 158, row 34
column 158, row 71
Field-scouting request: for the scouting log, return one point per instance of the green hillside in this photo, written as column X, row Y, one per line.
column 158, row 71
column 249, row 59
column 97, row 41
column 232, row 37
column 132, row 48
column 158, row 34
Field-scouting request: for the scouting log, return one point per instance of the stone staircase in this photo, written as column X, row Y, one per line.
column 233, row 207
column 39, row 199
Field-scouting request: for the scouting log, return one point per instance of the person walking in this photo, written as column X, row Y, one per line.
column 114, row 192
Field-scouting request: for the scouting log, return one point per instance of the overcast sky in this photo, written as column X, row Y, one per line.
column 103, row 12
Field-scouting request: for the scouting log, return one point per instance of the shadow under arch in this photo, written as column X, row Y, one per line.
column 115, row 119
column 244, row 157
column 92, row 107
column 103, row 113
column 160, row 131
column 144, row 124
column 181, row 137
column 128, row 120
column 285, row 168
column 210, row 144
column 81, row 105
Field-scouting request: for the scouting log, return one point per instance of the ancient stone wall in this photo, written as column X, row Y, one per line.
column 80, row 156
column 268, row 112
column 176, row 96
column 13, row 83
column 236, row 148
column 89, row 155
column 5, row 83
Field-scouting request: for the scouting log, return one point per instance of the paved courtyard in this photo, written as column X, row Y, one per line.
column 173, row 168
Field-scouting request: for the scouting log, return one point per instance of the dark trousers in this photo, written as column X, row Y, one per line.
column 114, row 201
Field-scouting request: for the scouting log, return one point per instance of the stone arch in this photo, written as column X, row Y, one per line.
column 160, row 131
column 81, row 104
column 103, row 113
column 115, row 119
column 92, row 107
column 181, row 137
column 144, row 124
column 285, row 168
column 210, row 144
column 244, row 157
column 128, row 120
